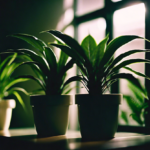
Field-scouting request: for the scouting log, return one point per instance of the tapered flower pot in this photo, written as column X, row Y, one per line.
column 6, row 107
column 98, row 115
column 51, row 114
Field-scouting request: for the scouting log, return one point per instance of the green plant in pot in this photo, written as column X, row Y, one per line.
column 50, row 109
column 8, row 87
column 98, row 112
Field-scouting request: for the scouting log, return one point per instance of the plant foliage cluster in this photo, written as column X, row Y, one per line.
column 50, row 72
column 9, row 83
column 98, row 66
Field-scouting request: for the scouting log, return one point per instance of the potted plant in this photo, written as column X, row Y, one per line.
column 8, row 87
column 98, row 112
column 50, row 109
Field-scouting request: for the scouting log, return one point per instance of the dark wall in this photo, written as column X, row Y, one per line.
column 31, row 17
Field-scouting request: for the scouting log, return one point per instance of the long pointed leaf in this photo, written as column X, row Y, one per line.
column 39, row 81
column 51, row 58
column 34, row 41
column 62, row 60
column 137, row 73
column 18, row 89
column 128, row 62
column 34, row 56
column 15, row 82
column 99, row 51
column 19, row 99
column 122, row 56
column 69, row 41
column 69, row 51
column 115, row 44
column 131, row 79
column 88, row 44
column 72, row 79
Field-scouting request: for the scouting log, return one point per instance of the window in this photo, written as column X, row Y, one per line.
column 87, row 6
column 131, row 21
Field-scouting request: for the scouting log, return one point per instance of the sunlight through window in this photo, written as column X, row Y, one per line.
column 130, row 21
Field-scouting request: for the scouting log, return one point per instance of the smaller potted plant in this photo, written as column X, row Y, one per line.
column 8, row 87
column 51, row 109
column 98, row 112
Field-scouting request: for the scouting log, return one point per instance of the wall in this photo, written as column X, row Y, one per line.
column 31, row 17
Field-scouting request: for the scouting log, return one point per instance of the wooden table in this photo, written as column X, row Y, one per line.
column 20, row 139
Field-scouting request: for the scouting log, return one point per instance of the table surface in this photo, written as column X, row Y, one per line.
column 27, row 139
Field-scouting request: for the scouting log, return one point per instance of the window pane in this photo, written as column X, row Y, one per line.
column 130, row 21
column 96, row 28
column 86, row 6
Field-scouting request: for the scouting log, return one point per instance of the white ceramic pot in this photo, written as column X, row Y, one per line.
column 6, row 107
column 51, row 114
column 98, row 115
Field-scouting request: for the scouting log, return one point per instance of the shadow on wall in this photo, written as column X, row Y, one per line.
column 30, row 17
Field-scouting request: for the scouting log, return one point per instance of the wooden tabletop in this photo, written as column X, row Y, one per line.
column 27, row 139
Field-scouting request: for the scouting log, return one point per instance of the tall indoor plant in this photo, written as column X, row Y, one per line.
column 8, row 87
column 98, row 112
column 51, row 108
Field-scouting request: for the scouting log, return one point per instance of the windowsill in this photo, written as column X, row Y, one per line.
column 72, row 140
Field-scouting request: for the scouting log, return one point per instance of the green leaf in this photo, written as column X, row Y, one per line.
column 65, row 68
column 128, row 62
column 38, row 80
column 120, row 57
column 67, row 91
column 133, row 104
column 5, row 62
column 137, row 118
column 18, row 89
column 124, row 117
column 72, row 43
column 137, row 73
column 34, row 41
column 72, row 79
column 34, row 56
column 12, row 59
column 99, row 51
column 72, row 53
column 15, row 81
column 131, row 79
column 62, row 60
column 138, row 95
column 51, row 58
column 6, row 72
column 88, row 44
column 20, row 100
column 114, row 45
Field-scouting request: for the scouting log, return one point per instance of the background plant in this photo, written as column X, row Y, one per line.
column 99, row 69
column 136, row 103
column 50, row 72
column 9, row 83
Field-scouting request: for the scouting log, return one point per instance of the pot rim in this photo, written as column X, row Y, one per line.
column 83, row 99
column 51, row 100
column 7, row 103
